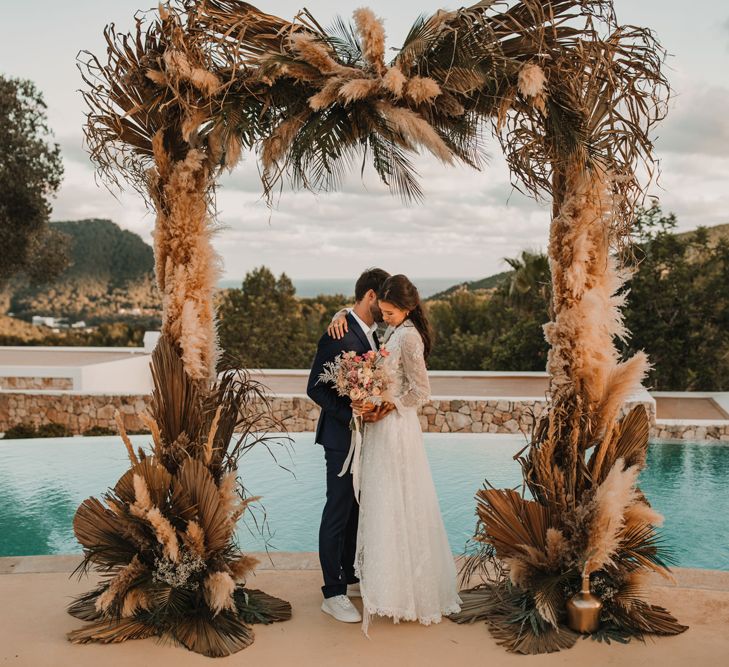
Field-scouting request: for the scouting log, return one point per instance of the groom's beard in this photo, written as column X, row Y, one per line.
column 376, row 314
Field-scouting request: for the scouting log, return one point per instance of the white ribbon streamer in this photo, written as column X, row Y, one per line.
column 354, row 456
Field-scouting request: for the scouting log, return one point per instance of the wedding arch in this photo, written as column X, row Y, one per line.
column 572, row 97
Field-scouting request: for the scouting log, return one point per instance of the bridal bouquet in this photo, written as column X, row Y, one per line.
column 361, row 377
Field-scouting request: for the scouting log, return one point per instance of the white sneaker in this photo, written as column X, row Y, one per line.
column 353, row 591
column 341, row 608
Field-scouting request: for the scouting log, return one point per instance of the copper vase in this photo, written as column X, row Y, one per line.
column 583, row 609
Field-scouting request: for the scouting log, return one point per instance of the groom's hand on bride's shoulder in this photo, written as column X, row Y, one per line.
column 338, row 328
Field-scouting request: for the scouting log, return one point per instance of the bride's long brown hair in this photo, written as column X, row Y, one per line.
column 400, row 292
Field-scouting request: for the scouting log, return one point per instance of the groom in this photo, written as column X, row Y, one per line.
column 338, row 530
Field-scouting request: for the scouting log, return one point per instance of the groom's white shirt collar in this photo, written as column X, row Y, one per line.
column 368, row 331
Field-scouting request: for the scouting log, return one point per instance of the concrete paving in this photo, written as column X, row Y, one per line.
column 33, row 624
column 39, row 357
column 683, row 407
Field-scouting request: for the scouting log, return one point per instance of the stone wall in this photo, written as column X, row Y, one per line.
column 480, row 416
column 35, row 383
column 79, row 412
column 663, row 430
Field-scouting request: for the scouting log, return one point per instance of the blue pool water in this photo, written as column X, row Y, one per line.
column 42, row 483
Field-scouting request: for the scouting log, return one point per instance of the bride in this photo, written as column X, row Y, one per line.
column 403, row 560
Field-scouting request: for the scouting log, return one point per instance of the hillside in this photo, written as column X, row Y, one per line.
column 110, row 277
column 483, row 285
column 12, row 328
column 716, row 233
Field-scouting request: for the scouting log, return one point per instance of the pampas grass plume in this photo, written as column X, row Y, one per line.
column 134, row 600
column 142, row 499
column 372, row 35
column 611, row 500
column 125, row 438
column 165, row 533
column 242, row 567
column 394, row 81
column 422, row 89
column 219, row 588
column 195, row 538
column 531, row 80
column 417, row 130
column 640, row 513
column 205, row 81
column 358, row 89
column 314, row 53
column 119, row 584
column 327, row 95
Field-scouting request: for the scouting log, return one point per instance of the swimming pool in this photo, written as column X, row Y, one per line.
column 43, row 481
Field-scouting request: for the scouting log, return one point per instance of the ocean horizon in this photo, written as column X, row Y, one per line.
column 311, row 287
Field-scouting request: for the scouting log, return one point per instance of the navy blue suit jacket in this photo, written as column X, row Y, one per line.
column 332, row 431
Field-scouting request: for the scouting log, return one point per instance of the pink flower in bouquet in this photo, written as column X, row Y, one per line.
column 358, row 376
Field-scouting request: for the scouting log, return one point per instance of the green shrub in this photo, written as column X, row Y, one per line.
column 19, row 431
column 99, row 430
column 53, row 431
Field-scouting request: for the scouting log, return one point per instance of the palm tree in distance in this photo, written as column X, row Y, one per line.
column 530, row 278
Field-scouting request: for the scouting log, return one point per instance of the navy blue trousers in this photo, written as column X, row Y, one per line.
column 338, row 529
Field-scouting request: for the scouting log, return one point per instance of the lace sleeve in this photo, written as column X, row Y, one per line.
column 416, row 386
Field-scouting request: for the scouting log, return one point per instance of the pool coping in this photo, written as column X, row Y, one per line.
column 683, row 577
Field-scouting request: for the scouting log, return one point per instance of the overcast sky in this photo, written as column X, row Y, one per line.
column 469, row 220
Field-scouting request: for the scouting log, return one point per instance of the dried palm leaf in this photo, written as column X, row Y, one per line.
column 198, row 485
column 511, row 523
column 226, row 635
column 111, row 631
column 255, row 606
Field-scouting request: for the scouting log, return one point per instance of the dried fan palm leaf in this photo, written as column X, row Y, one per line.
column 197, row 483
column 227, row 635
column 101, row 534
column 510, row 523
column 255, row 606
column 156, row 477
column 111, row 632
column 643, row 618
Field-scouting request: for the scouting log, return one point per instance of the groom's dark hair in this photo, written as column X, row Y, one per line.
column 371, row 279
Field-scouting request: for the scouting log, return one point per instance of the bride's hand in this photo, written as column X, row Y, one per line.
column 360, row 408
column 380, row 412
column 338, row 327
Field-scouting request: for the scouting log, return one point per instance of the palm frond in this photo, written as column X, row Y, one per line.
column 111, row 631
column 198, row 485
column 213, row 637
column 255, row 606
column 510, row 522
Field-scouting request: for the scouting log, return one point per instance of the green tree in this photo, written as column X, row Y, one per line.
column 497, row 330
column 30, row 174
column 678, row 304
column 261, row 324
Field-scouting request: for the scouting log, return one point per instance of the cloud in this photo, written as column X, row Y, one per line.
column 464, row 228
column 697, row 121
column 83, row 196
column 467, row 224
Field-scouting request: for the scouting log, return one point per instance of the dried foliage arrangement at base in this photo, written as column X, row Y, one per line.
column 163, row 537
column 584, row 516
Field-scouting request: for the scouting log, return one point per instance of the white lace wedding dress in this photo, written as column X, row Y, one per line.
column 404, row 563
